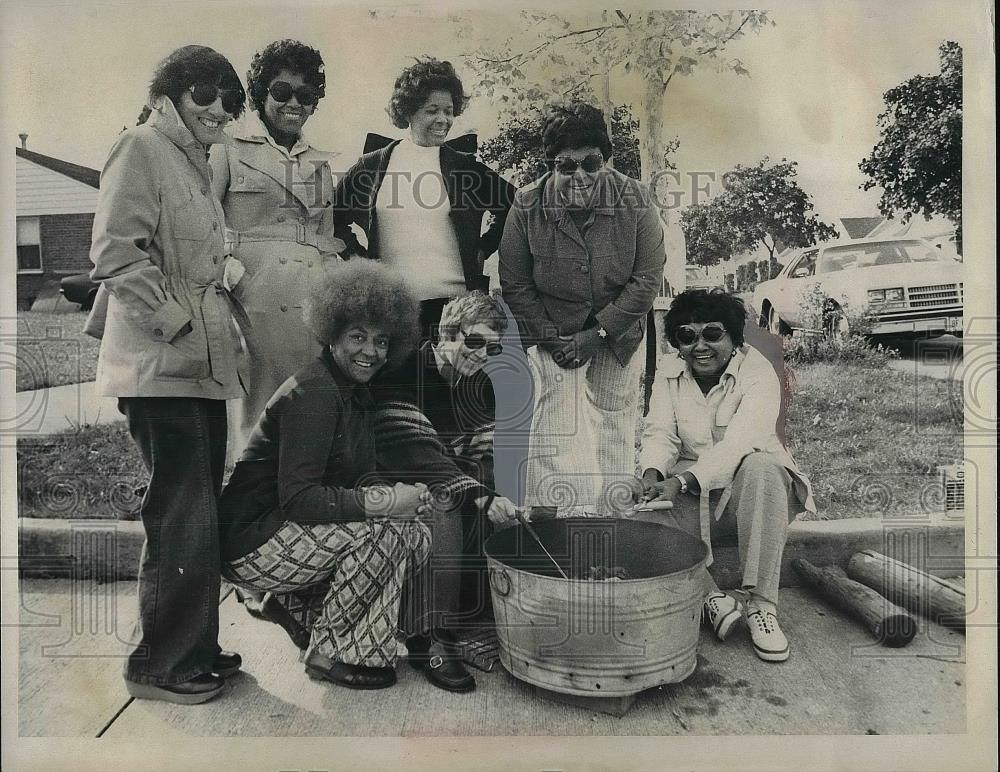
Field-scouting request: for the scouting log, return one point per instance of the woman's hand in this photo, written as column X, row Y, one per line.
column 580, row 348
column 662, row 490
column 501, row 512
column 400, row 502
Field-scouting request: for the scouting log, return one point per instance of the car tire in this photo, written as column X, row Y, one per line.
column 771, row 321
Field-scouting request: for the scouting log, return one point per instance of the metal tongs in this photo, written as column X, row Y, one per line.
column 527, row 525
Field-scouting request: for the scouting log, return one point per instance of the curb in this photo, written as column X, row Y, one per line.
column 107, row 550
column 104, row 550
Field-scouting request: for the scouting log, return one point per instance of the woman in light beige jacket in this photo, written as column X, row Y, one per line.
column 277, row 192
column 170, row 354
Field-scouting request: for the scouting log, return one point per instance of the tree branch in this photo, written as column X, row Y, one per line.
column 717, row 46
column 531, row 53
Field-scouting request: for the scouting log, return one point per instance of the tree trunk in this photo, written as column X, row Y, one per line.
column 889, row 623
column 651, row 152
column 941, row 601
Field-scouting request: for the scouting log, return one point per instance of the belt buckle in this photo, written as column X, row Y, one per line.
column 300, row 233
column 436, row 661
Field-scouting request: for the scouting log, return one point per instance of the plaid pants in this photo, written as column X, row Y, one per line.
column 354, row 570
column 582, row 451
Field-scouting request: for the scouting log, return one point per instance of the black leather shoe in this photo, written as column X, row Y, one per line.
column 442, row 665
column 273, row 611
column 321, row 667
column 251, row 601
column 227, row 663
column 197, row 690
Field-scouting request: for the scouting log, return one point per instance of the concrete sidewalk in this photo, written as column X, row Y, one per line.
column 837, row 681
column 60, row 409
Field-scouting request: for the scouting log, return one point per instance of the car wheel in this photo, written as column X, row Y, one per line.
column 773, row 322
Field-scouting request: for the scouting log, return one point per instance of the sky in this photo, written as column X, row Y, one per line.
column 75, row 74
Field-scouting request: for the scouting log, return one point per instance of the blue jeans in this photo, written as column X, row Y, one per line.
column 183, row 444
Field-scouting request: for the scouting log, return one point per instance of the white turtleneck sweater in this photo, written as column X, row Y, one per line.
column 414, row 230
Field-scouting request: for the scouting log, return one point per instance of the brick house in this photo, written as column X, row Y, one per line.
column 55, row 204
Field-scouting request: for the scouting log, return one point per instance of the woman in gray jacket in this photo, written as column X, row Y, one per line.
column 170, row 354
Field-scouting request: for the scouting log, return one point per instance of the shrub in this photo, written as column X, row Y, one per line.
column 834, row 331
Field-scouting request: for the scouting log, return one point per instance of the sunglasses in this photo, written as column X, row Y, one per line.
column 281, row 91
column 590, row 164
column 475, row 341
column 205, row 94
column 710, row 333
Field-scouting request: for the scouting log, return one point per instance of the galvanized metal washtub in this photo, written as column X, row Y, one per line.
column 593, row 637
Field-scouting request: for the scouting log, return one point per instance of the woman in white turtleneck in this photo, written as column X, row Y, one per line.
column 420, row 202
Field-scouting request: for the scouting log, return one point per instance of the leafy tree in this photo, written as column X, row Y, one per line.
column 918, row 159
column 574, row 55
column 517, row 146
column 759, row 204
column 707, row 235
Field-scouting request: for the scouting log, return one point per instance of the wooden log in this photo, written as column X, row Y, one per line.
column 941, row 601
column 889, row 623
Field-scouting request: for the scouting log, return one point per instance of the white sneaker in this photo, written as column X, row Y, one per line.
column 769, row 641
column 722, row 612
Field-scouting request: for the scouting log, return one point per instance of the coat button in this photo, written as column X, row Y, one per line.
column 281, row 218
column 158, row 332
column 282, row 260
column 204, row 191
column 215, row 259
column 584, row 269
column 302, row 219
column 241, row 179
column 284, row 307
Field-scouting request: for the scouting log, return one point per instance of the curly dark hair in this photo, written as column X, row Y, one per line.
column 698, row 305
column 364, row 291
column 415, row 84
column 281, row 55
column 194, row 64
column 574, row 125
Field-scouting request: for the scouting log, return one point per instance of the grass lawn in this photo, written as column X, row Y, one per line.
column 868, row 439
column 52, row 350
column 87, row 474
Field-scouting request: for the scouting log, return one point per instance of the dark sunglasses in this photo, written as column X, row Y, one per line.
column 475, row 341
column 281, row 91
column 711, row 333
column 590, row 164
column 205, row 94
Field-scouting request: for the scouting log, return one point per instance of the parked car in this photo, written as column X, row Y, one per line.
column 911, row 286
column 78, row 288
column 697, row 277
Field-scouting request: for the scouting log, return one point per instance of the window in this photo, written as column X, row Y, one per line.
column 29, row 245
column 878, row 253
column 806, row 266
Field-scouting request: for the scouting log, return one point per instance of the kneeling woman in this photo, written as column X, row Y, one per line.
column 303, row 506
column 710, row 446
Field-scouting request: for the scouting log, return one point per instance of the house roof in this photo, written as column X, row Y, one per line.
column 83, row 174
column 859, row 227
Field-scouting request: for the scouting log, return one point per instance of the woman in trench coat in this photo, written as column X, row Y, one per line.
column 170, row 354
column 277, row 192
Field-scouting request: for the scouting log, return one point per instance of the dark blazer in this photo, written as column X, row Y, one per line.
column 311, row 453
column 473, row 191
